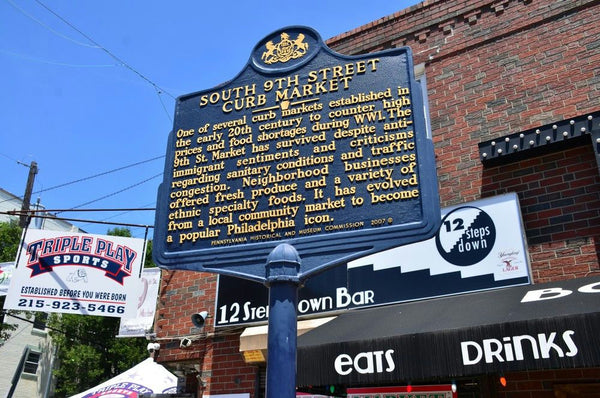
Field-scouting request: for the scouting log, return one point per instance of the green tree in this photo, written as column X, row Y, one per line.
column 148, row 263
column 88, row 351
column 10, row 237
column 119, row 231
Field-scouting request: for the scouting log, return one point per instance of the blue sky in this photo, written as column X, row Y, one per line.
column 69, row 105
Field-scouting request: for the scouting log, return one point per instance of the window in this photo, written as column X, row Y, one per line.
column 420, row 77
column 39, row 324
column 32, row 360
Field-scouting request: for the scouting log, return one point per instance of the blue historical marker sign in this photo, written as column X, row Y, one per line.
column 325, row 152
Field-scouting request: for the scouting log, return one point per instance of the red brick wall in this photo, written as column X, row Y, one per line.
column 229, row 372
column 498, row 67
column 220, row 366
column 541, row 384
column 492, row 68
column 559, row 195
column 183, row 293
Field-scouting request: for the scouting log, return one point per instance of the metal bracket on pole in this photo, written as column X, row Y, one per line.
column 282, row 275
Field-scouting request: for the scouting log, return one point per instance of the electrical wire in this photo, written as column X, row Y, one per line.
column 159, row 91
column 14, row 160
column 68, row 335
column 53, row 217
column 143, row 207
column 163, row 104
column 122, row 224
column 113, row 56
column 44, row 61
column 49, row 28
column 102, row 221
column 115, row 193
column 81, row 179
column 19, row 163
column 9, row 199
column 99, row 174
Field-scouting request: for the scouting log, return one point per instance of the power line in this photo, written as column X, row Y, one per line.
column 17, row 212
column 45, row 61
column 27, row 196
column 52, row 217
column 99, row 174
column 125, row 211
column 117, row 192
column 163, row 104
column 121, row 62
column 157, row 88
column 47, row 27
column 14, row 160
column 68, row 335
column 83, row 179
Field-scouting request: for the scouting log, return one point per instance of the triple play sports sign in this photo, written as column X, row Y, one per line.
column 76, row 273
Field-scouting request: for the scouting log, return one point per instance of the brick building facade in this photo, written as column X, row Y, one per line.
column 497, row 72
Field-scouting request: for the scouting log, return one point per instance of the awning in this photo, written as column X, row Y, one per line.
column 145, row 378
column 543, row 326
column 254, row 340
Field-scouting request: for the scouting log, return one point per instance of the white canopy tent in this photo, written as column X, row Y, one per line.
column 147, row 377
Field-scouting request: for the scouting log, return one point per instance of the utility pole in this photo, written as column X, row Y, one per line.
column 23, row 218
column 33, row 169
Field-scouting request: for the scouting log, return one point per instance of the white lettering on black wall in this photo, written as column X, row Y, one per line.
column 518, row 348
column 365, row 362
column 557, row 292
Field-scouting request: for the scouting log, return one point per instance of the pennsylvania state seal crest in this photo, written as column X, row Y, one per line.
column 285, row 50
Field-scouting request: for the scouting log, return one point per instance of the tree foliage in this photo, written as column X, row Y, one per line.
column 10, row 237
column 88, row 351
column 119, row 231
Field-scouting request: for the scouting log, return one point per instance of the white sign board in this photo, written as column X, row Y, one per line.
column 476, row 239
column 146, row 306
column 6, row 271
column 479, row 246
column 76, row 273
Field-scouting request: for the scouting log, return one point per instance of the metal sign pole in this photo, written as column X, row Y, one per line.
column 283, row 266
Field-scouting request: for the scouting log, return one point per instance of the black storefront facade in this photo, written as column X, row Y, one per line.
column 454, row 339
